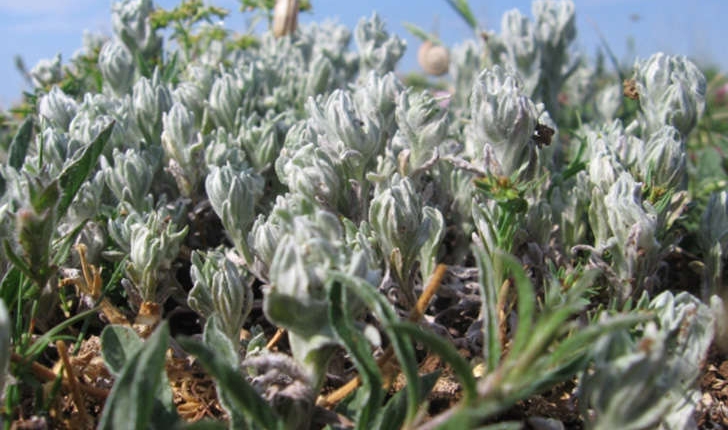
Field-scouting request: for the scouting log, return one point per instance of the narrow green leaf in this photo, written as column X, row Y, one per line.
column 447, row 352
column 75, row 174
column 392, row 415
column 463, row 9
column 19, row 145
column 10, row 285
column 18, row 262
column 42, row 342
column 62, row 246
column 421, row 34
column 133, row 396
column 487, row 284
column 216, row 339
column 403, row 348
column 360, row 352
column 118, row 345
column 584, row 338
column 232, row 382
column 526, row 303
column 170, row 69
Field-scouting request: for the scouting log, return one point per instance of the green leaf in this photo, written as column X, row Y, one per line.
column 216, row 339
column 421, row 34
column 392, row 415
column 76, row 173
column 118, row 345
column 526, row 303
column 62, row 247
column 18, row 263
column 19, row 146
column 42, row 342
column 230, row 381
column 463, row 9
column 447, row 352
column 360, row 353
column 133, row 402
column 12, row 282
column 401, row 344
column 487, row 284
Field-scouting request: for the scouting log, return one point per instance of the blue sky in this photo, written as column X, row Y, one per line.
column 38, row 29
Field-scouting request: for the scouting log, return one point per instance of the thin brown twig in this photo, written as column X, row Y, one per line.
column 415, row 315
column 72, row 382
column 277, row 336
column 45, row 374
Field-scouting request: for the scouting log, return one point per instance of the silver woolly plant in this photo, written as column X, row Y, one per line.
column 131, row 176
column 648, row 380
column 348, row 134
column 503, row 120
column 220, row 287
column 151, row 98
column 713, row 241
column 296, row 298
column 406, row 231
column 153, row 245
column 376, row 98
column 225, row 98
column 378, row 50
column 671, row 92
column 47, row 72
column 183, row 147
column 116, row 65
column 233, row 195
column 626, row 236
column 58, row 108
column 223, row 148
column 538, row 50
column 422, row 128
column 262, row 138
column 131, row 23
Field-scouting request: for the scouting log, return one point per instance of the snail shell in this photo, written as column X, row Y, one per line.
column 285, row 17
column 434, row 59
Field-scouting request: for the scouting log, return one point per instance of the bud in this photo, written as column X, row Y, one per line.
column 225, row 99
column 503, row 121
column 47, row 72
column 671, row 92
column 219, row 288
column 130, row 179
column 116, row 65
column 131, row 23
column 150, row 100
column 233, row 197
column 183, row 148
column 665, row 159
column 378, row 50
column 423, row 126
column 402, row 226
column 58, row 108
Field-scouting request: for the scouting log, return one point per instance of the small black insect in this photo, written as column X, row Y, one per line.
column 542, row 134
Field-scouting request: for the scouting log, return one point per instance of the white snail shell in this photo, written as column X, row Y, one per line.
column 285, row 17
column 434, row 59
